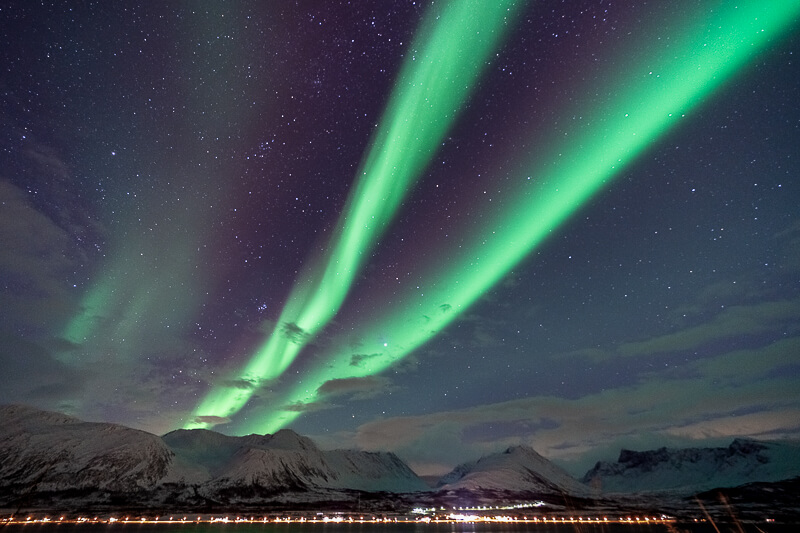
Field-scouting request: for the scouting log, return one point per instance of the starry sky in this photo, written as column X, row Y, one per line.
column 436, row 228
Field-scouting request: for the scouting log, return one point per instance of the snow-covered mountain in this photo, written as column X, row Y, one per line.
column 44, row 453
column 518, row 469
column 284, row 460
column 366, row 470
column 47, row 459
column 692, row 470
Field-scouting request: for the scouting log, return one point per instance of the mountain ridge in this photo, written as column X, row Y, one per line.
column 48, row 457
column 691, row 470
column 42, row 452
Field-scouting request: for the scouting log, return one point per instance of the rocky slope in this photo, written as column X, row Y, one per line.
column 691, row 470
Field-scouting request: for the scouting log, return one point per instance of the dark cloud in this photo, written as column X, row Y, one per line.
column 32, row 372
column 788, row 242
column 37, row 258
column 241, row 383
column 358, row 359
column 356, row 388
column 47, row 164
column 523, row 429
column 311, row 407
column 294, row 333
column 57, row 196
column 762, row 320
column 211, row 420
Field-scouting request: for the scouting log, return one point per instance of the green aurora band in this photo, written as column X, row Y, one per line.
column 453, row 45
column 150, row 285
column 643, row 106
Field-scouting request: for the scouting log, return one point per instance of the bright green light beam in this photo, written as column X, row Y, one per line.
column 454, row 45
column 644, row 105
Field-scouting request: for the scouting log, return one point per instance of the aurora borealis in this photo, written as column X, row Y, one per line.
column 434, row 228
column 429, row 93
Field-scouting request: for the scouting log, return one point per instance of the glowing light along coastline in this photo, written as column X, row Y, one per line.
column 647, row 102
column 441, row 67
column 485, row 515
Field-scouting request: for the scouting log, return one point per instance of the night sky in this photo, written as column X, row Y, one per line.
column 432, row 228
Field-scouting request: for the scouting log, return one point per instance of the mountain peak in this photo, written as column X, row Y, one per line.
column 518, row 469
column 522, row 449
column 746, row 446
column 287, row 439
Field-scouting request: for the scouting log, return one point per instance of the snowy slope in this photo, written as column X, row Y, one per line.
column 693, row 470
column 283, row 460
column 374, row 471
column 518, row 469
column 45, row 451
